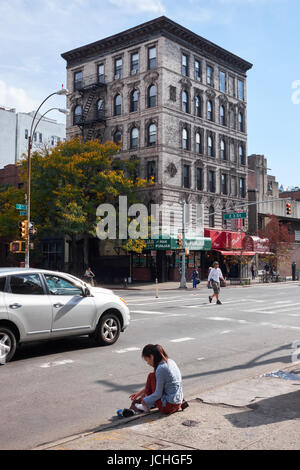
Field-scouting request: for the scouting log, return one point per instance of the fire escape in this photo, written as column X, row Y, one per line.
column 92, row 119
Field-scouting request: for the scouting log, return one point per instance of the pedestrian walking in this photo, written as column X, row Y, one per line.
column 89, row 276
column 253, row 270
column 214, row 277
column 163, row 389
column 195, row 278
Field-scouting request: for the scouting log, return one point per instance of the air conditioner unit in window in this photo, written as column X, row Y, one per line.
column 118, row 75
column 134, row 71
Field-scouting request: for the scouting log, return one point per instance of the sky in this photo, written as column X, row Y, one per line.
column 33, row 34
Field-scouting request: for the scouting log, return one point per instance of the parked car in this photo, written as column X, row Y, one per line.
column 37, row 304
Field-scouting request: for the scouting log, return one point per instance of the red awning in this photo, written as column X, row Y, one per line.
column 236, row 253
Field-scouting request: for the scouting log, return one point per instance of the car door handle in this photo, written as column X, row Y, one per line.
column 58, row 305
column 15, row 306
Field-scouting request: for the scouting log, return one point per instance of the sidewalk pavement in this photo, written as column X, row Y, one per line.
column 259, row 413
column 174, row 285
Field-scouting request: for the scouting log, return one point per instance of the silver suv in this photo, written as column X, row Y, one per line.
column 38, row 304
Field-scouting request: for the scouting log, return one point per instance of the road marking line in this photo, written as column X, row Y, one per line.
column 179, row 340
column 122, row 351
column 225, row 332
column 200, row 358
column 147, row 311
column 56, row 363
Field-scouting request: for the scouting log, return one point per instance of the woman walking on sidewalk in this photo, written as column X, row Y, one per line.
column 215, row 276
column 163, row 388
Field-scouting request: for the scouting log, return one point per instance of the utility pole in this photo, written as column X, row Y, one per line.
column 183, row 279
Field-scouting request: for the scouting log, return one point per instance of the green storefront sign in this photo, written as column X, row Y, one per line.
column 195, row 244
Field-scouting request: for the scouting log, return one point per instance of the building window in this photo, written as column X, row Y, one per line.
column 241, row 94
column 197, row 70
column 198, row 143
column 224, row 183
column 118, row 68
column 241, row 121
column 223, row 150
column 101, row 73
column 186, row 176
column 184, row 65
column 77, row 81
column 211, row 181
column 185, row 139
column 222, row 116
column 185, row 102
column 199, row 179
column 117, row 105
column 151, row 170
column 152, row 135
column 242, row 187
column 242, row 155
column 78, row 114
column 133, row 101
column 223, row 82
column 134, row 63
column 209, row 75
column 209, row 111
column 26, row 134
column 210, row 146
column 231, row 86
column 198, row 106
column 152, row 58
column 100, row 109
column 233, row 186
column 40, row 138
column 211, row 216
column 152, row 96
column 117, row 137
column 134, row 138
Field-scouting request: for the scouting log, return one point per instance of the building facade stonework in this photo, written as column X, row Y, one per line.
column 174, row 101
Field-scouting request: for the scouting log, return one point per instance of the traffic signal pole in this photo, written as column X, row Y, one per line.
column 183, row 278
column 28, row 195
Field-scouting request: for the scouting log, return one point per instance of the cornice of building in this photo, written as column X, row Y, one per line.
column 161, row 26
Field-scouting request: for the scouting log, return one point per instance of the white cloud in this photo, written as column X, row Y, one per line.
column 134, row 6
column 16, row 98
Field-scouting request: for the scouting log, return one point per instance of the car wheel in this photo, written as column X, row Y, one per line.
column 108, row 329
column 8, row 344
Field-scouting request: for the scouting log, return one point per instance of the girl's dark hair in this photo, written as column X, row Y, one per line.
column 158, row 352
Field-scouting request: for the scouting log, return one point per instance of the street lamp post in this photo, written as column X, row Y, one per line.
column 63, row 91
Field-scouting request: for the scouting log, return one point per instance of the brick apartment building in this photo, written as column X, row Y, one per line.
column 177, row 103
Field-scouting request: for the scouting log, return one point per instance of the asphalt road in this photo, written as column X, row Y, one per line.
column 56, row 389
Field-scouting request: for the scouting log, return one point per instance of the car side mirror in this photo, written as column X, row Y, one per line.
column 86, row 292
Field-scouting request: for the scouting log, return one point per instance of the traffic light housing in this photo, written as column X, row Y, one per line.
column 288, row 208
column 23, row 229
column 179, row 241
column 17, row 247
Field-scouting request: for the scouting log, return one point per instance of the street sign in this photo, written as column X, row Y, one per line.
column 235, row 215
column 23, row 212
column 21, row 207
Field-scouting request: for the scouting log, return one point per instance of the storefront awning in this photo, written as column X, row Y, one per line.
column 171, row 243
column 257, row 244
column 236, row 253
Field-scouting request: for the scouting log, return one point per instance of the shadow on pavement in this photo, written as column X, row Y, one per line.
column 270, row 410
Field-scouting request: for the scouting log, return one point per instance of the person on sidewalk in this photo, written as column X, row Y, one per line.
column 195, row 278
column 89, row 276
column 163, row 389
column 215, row 276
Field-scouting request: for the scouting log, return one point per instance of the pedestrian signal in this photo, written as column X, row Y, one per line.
column 17, row 247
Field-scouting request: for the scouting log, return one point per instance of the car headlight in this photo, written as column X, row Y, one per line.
column 123, row 300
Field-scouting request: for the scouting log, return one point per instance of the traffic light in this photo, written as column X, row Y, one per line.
column 17, row 247
column 23, row 229
column 288, row 208
column 179, row 241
